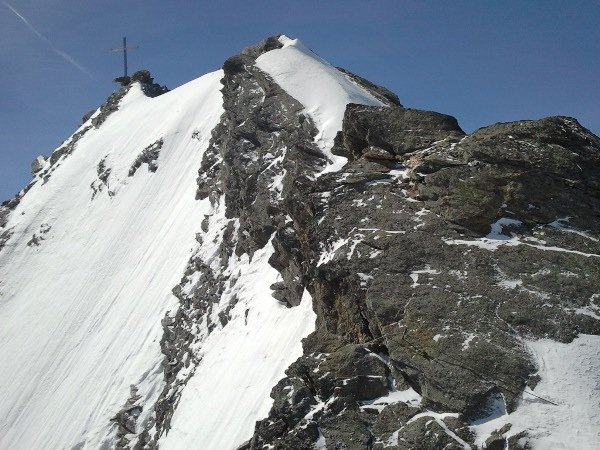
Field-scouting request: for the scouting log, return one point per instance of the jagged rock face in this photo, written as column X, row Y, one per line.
column 397, row 131
column 433, row 259
column 380, row 92
column 411, row 280
column 540, row 170
column 262, row 143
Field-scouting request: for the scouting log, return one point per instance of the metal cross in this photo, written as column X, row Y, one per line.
column 124, row 50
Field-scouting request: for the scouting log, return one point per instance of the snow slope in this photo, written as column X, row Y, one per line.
column 241, row 362
column 81, row 312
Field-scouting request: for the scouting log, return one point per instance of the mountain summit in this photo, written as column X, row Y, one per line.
column 279, row 255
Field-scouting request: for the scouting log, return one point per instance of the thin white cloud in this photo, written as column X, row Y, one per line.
column 44, row 39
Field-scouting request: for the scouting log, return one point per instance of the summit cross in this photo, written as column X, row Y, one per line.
column 124, row 50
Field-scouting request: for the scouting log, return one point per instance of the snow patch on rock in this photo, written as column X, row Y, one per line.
column 569, row 378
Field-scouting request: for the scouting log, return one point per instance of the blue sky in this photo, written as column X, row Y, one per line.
column 480, row 61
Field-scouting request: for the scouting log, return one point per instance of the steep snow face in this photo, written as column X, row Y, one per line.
column 321, row 88
column 87, row 275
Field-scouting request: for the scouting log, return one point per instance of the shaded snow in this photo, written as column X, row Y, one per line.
column 497, row 228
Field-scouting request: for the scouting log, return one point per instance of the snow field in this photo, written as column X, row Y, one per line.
column 81, row 312
column 240, row 362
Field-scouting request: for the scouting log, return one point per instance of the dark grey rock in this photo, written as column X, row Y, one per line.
column 87, row 116
column 123, row 81
column 266, row 45
column 541, row 169
column 148, row 156
column 142, row 76
column 126, row 419
column 146, row 81
column 426, row 433
column 393, row 129
column 37, row 238
column 453, row 333
column 102, row 181
column 110, row 106
column 6, row 209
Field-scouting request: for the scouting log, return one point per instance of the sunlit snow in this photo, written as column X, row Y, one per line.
column 81, row 311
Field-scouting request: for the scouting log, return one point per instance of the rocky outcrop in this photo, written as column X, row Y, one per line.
column 423, row 282
column 126, row 418
column 380, row 92
column 149, row 87
column 147, row 156
column 37, row 164
column 146, row 81
column 6, row 208
column 102, row 181
column 541, row 170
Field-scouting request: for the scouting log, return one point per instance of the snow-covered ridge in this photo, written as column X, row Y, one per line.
column 321, row 88
column 95, row 250
column 86, row 281
column 138, row 307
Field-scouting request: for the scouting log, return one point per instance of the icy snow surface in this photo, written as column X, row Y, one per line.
column 80, row 313
column 570, row 377
column 323, row 90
